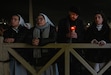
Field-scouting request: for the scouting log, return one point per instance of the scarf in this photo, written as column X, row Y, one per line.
column 45, row 34
column 36, row 34
column 45, row 31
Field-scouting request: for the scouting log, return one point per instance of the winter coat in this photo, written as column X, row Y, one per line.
column 64, row 28
column 98, row 55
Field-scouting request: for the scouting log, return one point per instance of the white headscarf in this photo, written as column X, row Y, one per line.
column 22, row 22
column 46, row 28
column 47, row 19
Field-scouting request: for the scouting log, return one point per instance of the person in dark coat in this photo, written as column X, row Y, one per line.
column 16, row 33
column 65, row 35
column 42, row 33
column 98, row 33
column 71, row 30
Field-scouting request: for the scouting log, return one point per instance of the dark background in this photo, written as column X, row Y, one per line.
column 54, row 9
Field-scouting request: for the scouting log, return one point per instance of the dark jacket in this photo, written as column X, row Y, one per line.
column 43, row 41
column 19, row 37
column 98, row 55
column 64, row 28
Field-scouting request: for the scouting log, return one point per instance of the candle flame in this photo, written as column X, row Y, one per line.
column 73, row 28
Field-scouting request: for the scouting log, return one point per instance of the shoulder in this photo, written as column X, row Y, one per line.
column 23, row 29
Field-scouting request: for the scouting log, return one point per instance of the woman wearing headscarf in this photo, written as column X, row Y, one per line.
column 16, row 34
column 42, row 33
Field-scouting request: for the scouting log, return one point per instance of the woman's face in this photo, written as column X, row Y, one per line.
column 98, row 19
column 41, row 21
column 15, row 21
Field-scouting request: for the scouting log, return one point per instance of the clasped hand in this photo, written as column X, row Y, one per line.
column 101, row 43
column 9, row 40
column 35, row 41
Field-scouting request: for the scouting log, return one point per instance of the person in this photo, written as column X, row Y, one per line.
column 16, row 33
column 71, row 30
column 42, row 33
column 98, row 33
column 4, row 63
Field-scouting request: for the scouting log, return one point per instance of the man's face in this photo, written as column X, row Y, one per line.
column 73, row 16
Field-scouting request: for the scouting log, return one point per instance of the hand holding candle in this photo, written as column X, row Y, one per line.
column 73, row 33
column 73, row 28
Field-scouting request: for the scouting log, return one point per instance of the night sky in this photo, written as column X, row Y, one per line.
column 55, row 9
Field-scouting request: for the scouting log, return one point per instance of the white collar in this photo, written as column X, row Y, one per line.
column 99, row 27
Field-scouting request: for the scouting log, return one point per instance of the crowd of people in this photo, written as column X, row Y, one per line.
column 70, row 29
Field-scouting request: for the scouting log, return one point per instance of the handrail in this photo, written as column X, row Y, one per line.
column 65, row 48
column 57, row 45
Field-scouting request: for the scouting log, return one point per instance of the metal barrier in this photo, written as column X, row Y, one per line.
column 66, row 48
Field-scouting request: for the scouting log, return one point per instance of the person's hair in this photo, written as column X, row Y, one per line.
column 15, row 15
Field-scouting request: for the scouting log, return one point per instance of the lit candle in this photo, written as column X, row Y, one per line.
column 73, row 28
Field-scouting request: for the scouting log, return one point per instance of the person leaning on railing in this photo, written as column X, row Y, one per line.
column 16, row 33
column 42, row 33
column 71, row 30
column 98, row 33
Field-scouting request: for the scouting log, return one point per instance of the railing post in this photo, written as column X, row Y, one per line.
column 4, row 57
column 1, row 39
column 67, row 61
column 31, row 12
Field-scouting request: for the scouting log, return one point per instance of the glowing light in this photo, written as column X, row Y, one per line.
column 73, row 28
